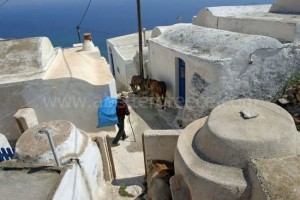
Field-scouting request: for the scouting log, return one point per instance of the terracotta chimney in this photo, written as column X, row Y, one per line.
column 88, row 44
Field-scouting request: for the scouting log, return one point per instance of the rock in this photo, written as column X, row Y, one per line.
column 134, row 190
column 283, row 101
column 248, row 114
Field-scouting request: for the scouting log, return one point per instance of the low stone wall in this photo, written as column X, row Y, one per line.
column 160, row 145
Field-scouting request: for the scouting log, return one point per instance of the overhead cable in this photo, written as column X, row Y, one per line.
column 78, row 26
column 87, row 8
column 4, row 3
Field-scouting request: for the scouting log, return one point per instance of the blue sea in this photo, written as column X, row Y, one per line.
column 104, row 18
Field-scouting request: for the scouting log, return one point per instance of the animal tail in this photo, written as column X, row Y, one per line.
column 164, row 89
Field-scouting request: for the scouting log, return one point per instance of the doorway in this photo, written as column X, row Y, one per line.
column 112, row 62
column 181, row 78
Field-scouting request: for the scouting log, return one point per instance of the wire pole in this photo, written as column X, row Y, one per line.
column 78, row 26
column 140, row 37
column 78, row 33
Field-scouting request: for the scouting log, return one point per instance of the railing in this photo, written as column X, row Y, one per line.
column 6, row 153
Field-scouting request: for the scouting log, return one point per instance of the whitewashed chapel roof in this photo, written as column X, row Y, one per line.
column 25, row 57
column 210, row 43
column 286, row 6
column 35, row 58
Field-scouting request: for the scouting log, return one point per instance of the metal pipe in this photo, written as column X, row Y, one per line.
column 47, row 131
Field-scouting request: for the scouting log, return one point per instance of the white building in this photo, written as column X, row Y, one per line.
column 227, row 53
column 65, row 84
column 124, row 58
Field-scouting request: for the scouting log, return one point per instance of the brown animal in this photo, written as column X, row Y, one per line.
column 158, row 88
column 137, row 81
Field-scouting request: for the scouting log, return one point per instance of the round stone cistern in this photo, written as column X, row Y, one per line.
column 34, row 147
column 212, row 154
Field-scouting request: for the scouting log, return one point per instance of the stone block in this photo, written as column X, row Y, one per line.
column 26, row 118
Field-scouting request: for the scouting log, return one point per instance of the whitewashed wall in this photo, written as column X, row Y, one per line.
column 73, row 100
column 120, row 65
column 84, row 181
column 162, row 67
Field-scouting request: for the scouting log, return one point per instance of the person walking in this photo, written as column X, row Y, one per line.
column 122, row 110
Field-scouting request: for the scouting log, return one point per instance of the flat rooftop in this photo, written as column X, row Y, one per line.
column 35, row 58
column 36, row 183
column 27, row 58
column 209, row 43
column 83, row 65
column 127, row 45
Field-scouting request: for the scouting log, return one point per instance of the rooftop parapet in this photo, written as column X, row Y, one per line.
column 25, row 58
column 255, row 20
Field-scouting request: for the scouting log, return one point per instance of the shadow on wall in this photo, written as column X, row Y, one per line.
column 61, row 99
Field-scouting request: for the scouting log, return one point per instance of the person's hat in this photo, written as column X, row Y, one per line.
column 123, row 95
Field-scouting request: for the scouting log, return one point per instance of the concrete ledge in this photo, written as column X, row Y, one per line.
column 164, row 142
column 206, row 180
column 107, row 162
column 159, row 145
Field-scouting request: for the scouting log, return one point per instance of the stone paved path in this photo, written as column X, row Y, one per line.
column 128, row 157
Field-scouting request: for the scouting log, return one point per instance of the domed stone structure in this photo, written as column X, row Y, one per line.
column 229, row 139
column 213, row 154
column 80, row 162
column 33, row 146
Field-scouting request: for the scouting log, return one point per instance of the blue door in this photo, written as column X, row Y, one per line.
column 181, row 67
